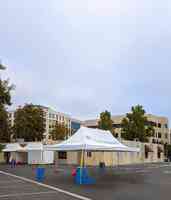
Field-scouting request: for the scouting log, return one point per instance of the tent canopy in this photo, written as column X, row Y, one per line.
column 91, row 140
column 12, row 147
column 25, row 147
column 34, row 146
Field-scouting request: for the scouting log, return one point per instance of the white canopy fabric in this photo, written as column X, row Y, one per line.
column 34, row 146
column 91, row 140
column 16, row 147
column 12, row 147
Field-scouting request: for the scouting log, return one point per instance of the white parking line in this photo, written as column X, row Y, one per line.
column 167, row 172
column 47, row 186
column 26, row 194
column 11, row 181
column 141, row 171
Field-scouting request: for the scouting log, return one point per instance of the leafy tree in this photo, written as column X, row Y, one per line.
column 2, row 66
column 150, row 131
column 105, row 121
column 5, row 129
column 1, row 147
column 29, row 123
column 5, row 96
column 60, row 132
column 134, row 125
column 5, row 100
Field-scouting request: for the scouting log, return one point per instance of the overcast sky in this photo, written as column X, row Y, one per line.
column 84, row 56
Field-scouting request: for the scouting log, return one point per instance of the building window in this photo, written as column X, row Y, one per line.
column 159, row 155
column 159, row 135
column 89, row 154
column 117, row 125
column 159, row 151
column 159, row 125
column 166, row 126
column 153, row 141
column 62, row 155
column 150, row 123
column 49, row 137
column 156, row 134
column 166, row 135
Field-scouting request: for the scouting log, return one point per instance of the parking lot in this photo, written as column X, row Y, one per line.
column 14, row 188
column 150, row 181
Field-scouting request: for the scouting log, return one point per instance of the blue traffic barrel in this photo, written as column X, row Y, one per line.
column 40, row 173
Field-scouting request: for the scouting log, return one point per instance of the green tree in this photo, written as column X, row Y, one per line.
column 150, row 131
column 60, row 132
column 1, row 147
column 5, row 100
column 5, row 96
column 5, row 129
column 29, row 123
column 2, row 66
column 105, row 121
column 135, row 125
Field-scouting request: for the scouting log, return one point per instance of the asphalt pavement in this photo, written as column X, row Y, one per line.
column 133, row 182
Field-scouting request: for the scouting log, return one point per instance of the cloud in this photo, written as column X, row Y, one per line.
column 82, row 57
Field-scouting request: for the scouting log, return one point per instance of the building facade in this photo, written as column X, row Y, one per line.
column 75, row 125
column 160, row 125
column 51, row 118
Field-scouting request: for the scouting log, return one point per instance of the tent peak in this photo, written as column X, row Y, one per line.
column 93, row 140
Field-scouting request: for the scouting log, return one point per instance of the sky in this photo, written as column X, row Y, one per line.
column 82, row 57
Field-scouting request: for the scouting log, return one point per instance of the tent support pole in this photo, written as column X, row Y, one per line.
column 85, row 154
column 103, row 157
column 81, row 165
column 118, row 158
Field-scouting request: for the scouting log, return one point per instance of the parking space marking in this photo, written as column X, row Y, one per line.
column 11, row 181
column 47, row 186
column 26, row 194
column 167, row 172
column 142, row 171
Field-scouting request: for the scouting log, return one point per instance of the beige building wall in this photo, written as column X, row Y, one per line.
column 160, row 125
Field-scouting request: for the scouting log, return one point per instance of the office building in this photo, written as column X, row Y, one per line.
column 160, row 125
column 51, row 118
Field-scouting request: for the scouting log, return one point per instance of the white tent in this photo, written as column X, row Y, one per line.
column 13, row 147
column 16, row 151
column 37, row 155
column 31, row 153
column 91, row 140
